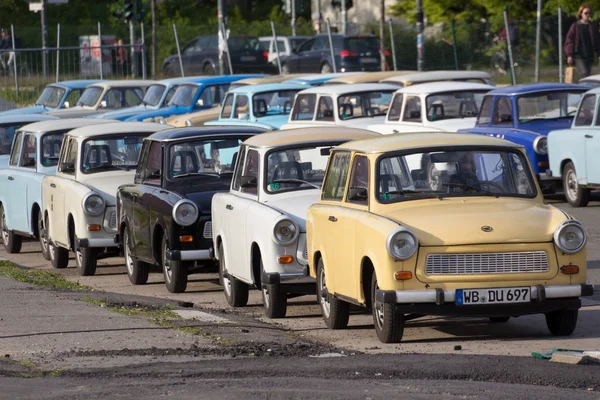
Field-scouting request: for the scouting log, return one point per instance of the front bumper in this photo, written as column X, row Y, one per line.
column 292, row 282
column 190, row 255
column 96, row 242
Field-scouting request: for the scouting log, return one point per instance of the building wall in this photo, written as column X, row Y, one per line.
column 362, row 13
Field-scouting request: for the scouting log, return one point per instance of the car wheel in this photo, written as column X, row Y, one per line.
column 576, row 195
column 274, row 299
column 562, row 322
column 336, row 312
column 12, row 241
column 285, row 69
column 435, row 181
column 209, row 70
column 389, row 324
column 236, row 292
column 87, row 260
column 175, row 272
column 43, row 237
column 137, row 270
column 59, row 257
column 499, row 320
column 326, row 69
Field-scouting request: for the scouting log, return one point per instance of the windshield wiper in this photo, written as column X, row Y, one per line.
column 469, row 187
column 410, row 191
column 214, row 175
column 295, row 181
column 101, row 167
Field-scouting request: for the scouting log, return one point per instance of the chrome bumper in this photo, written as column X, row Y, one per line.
column 95, row 242
column 287, row 277
column 190, row 255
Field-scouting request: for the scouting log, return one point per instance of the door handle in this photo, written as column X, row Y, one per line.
column 10, row 178
column 589, row 136
column 332, row 218
column 53, row 185
column 229, row 207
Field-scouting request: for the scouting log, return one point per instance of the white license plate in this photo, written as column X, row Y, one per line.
column 469, row 297
column 248, row 58
column 369, row 60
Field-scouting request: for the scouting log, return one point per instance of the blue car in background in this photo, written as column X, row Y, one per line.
column 525, row 114
column 199, row 93
column 9, row 124
column 55, row 97
column 264, row 106
column 318, row 79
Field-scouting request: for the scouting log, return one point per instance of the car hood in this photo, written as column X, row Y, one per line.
column 124, row 113
column 363, row 122
column 544, row 127
column 453, row 124
column 28, row 110
column 160, row 112
column 203, row 200
column 459, row 220
column 273, row 120
column 107, row 183
column 75, row 112
column 295, row 204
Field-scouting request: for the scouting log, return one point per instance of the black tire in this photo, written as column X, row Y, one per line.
column 236, row 292
column 274, row 299
column 326, row 69
column 562, row 322
column 59, row 257
column 137, row 271
column 285, row 69
column 574, row 193
column 336, row 312
column 87, row 260
column 208, row 70
column 389, row 324
column 175, row 272
column 43, row 237
column 12, row 242
column 499, row 320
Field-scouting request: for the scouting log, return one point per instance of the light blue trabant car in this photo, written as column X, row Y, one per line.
column 34, row 155
column 573, row 153
column 263, row 106
column 9, row 124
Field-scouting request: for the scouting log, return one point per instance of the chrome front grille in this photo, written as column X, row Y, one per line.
column 207, row 233
column 486, row 263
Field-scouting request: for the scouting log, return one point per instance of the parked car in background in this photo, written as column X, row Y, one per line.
column 200, row 56
column 9, row 124
column 106, row 96
column 313, row 80
column 524, row 114
column 367, row 77
column 198, row 94
column 439, row 106
column 165, row 213
column 34, row 155
column 55, row 96
column 264, row 106
column 484, row 245
column 79, row 201
column 286, row 45
column 259, row 226
column 572, row 152
column 592, row 81
column 438, row 76
column 355, row 106
column 351, row 53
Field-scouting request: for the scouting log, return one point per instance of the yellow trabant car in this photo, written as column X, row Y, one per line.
column 481, row 243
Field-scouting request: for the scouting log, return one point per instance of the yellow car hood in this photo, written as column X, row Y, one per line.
column 462, row 221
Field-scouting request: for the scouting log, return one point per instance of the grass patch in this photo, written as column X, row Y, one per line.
column 28, row 364
column 38, row 278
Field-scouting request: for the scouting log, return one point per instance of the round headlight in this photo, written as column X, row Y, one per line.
column 93, row 204
column 570, row 237
column 540, row 145
column 185, row 212
column 402, row 244
column 285, row 232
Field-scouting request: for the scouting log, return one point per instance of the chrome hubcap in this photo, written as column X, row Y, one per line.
column 571, row 185
column 43, row 236
column 226, row 280
column 4, row 229
column 266, row 299
column 79, row 256
column 379, row 313
column 167, row 266
column 324, row 299
column 128, row 259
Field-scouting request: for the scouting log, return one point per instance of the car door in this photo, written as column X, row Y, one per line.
column 189, row 55
column 13, row 185
column 313, row 61
column 298, row 61
column 592, row 149
column 27, row 166
column 57, row 187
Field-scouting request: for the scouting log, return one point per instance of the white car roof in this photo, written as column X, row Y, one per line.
column 437, row 87
column 437, row 75
column 118, row 127
column 61, row 124
column 353, row 88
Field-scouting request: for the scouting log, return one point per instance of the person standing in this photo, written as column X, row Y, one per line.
column 6, row 57
column 122, row 61
column 583, row 40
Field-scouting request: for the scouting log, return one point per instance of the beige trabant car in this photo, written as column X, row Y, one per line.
column 404, row 80
column 367, row 77
column 482, row 244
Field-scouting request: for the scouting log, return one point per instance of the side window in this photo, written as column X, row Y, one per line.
column 241, row 107
column 16, row 149
column 251, row 165
column 237, row 179
column 585, row 114
column 203, row 42
column 306, row 46
column 227, row 106
column 335, row 180
column 359, row 181
column 153, row 165
column 412, row 109
column 485, row 112
column 72, row 98
column 133, row 97
column 395, row 108
column 304, row 107
column 29, row 156
column 503, row 112
column 321, row 43
column 69, row 159
column 325, row 108
column 190, row 47
column 207, row 97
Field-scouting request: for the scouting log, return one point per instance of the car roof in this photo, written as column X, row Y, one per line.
column 307, row 79
column 60, row 124
column 309, row 135
column 76, row 84
column 4, row 119
column 401, row 141
column 266, row 79
column 593, row 91
column 536, row 87
column 124, row 83
column 118, row 127
column 184, row 133
column 207, row 80
column 267, row 87
column 369, row 77
column 437, row 75
column 437, row 87
column 354, row 88
column 285, row 37
column 591, row 78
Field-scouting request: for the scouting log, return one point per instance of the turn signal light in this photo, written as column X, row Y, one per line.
column 94, row 227
column 186, row 239
column 402, row 275
column 569, row 269
column 543, row 163
column 285, row 259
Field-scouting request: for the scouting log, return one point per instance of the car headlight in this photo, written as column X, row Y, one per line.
column 162, row 121
column 188, row 122
column 285, row 231
column 540, row 145
column 402, row 244
column 570, row 237
column 93, row 204
column 185, row 212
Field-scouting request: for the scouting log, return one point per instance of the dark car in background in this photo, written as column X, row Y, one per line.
column 200, row 56
column 352, row 53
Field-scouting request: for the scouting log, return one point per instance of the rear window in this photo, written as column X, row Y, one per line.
column 361, row 44
column 239, row 43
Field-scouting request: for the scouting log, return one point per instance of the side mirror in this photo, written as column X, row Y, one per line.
column 243, row 116
column 66, row 104
column 249, row 181
column 200, row 103
column 103, row 104
column 357, row 194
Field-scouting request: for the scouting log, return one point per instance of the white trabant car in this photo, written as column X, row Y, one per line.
column 79, row 201
column 357, row 105
column 417, row 77
column 259, row 226
column 429, row 107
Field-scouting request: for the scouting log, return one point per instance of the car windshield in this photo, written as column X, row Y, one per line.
column 447, row 173
column 50, row 97
column 241, row 43
column 154, row 94
column 547, row 106
column 184, row 96
column 273, row 103
column 90, row 97
column 208, row 158
column 462, row 104
column 365, row 104
column 7, row 134
column 111, row 153
column 51, row 149
column 296, row 168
